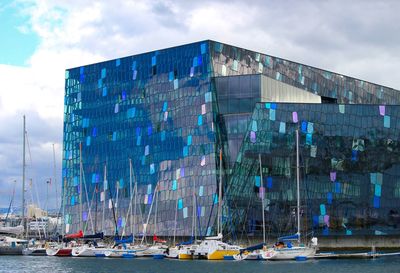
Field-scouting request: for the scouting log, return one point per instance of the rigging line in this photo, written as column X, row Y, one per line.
column 87, row 199
column 29, row 147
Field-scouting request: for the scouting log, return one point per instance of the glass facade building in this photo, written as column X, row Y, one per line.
column 149, row 137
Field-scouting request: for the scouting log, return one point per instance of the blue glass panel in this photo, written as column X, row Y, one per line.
column 103, row 73
column 117, row 62
column 153, row 61
column 271, row 114
column 315, row 220
column 104, row 91
column 269, row 182
column 329, row 198
column 203, row 48
column 322, row 209
column 282, row 127
column 310, row 127
column 354, row 155
column 377, row 202
column 373, row 178
column 171, row 76
column 378, row 190
column 273, row 106
column 185, row 151
column 149, row 189
column 200, row 120
column 72, row 200
column 174, row 185
column 254, row 126
column 180, row 204
column 76, row 181
column 215, row 198
column 176, row 84
column 257, row 181
column 201, row 190
column 304, row 126
column 208, row 97
column 189, row 140
column 152, row 168
column 163, row 136
column 337, row 187
column 88, row 140
column 185, row 212
column 309, row 139
column 386, row 121
column 341, row 108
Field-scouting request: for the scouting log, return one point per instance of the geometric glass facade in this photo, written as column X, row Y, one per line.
column 170, row 112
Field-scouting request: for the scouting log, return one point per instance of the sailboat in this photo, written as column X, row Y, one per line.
column 213, row 248
column 10, row 245
column 185, row 250
column 288, row 251
column 255, row 252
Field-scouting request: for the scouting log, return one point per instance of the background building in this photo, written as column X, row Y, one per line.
column 159, row 120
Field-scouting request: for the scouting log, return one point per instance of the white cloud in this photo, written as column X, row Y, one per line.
column 360, row 40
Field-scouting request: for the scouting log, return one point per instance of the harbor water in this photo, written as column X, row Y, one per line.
column 29, row 264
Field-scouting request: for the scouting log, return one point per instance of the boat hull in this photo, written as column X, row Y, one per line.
column 219, row 254
column 59, row 252
column 11, row 250
column 289, row 253
column 184, row 256
column 34, row 252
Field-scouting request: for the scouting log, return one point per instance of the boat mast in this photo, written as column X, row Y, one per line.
column 194, row 211
column 148, row 216
column 176, row 211
column 104, row 196
column 134, row 208
column 219, row 222
column 63, row 207
column 262, row 197
column 130, row 193
column 23, row 175
column 55, row 174
column 80, row 187
column 298, row 184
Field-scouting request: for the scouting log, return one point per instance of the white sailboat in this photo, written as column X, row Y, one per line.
column 9, row 245
column 282, row 251
column 255, row 252
column 213, row 248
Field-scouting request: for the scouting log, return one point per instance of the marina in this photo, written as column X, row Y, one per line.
column 30, row 264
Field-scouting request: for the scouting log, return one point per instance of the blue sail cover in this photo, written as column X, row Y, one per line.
column 125, row 240
column 289, row 237
column 186, row 243
column 255, row 247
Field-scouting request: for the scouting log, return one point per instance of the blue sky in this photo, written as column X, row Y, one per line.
column 40, row 39
column 18, row 42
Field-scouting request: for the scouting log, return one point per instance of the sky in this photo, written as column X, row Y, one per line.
column 40, row 39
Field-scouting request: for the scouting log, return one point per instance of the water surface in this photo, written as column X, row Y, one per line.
column 29, row 264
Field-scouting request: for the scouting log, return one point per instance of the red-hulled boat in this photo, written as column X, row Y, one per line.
column 64, row 249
